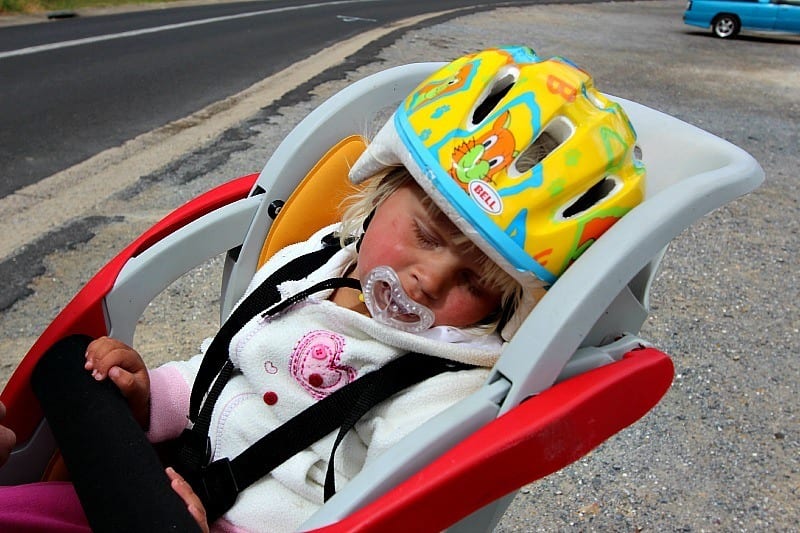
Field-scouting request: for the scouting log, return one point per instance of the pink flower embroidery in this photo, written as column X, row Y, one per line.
column 315, row 363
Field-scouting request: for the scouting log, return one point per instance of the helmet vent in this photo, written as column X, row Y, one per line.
column 499, row 89
column 596, row 194
column 541, row 148
column 551, row 137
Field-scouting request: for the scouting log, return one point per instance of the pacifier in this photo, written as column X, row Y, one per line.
column 389, row 304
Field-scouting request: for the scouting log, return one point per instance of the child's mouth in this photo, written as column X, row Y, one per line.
column 389, row 304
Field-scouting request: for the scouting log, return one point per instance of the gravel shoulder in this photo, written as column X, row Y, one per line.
column 720, row 452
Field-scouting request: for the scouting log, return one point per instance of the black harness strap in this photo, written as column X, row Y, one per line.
column 261, row 298
column 395, row 376
column 194, row 451
column 220, row 483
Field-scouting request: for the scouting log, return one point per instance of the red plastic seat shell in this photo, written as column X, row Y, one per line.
column 85, row 314
column 540, row 436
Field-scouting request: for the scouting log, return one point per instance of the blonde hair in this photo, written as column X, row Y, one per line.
column 360, row 205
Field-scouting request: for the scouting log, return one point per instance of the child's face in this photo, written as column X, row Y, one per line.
column 419, row 248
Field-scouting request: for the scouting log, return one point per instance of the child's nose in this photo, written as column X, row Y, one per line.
column 435, row 277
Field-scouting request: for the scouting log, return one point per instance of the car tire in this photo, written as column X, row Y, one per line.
column 725, row 26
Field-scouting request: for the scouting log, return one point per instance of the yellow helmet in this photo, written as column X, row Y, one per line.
column 523, row 154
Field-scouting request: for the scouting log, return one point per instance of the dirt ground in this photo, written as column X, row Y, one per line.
column 720, row 452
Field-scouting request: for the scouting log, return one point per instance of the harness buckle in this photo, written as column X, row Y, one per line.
column 217, row 488
column 194, row 452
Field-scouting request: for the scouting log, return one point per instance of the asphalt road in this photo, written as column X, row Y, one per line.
column 721, row 450
column 74, row 87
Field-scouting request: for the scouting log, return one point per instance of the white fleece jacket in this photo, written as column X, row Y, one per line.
column 285, row 364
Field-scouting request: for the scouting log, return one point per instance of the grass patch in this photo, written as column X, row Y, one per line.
column 43, row 6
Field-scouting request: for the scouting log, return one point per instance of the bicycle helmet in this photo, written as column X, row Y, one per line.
column 523, row 154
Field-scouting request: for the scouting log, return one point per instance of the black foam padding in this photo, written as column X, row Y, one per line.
column 117, row 474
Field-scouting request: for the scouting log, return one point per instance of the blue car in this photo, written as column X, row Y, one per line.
column 727, row 17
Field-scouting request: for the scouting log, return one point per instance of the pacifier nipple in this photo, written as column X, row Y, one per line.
column 389, row 304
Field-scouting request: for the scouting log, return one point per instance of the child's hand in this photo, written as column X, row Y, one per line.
column 107, row 357
column 7, row 438
column 193, row 503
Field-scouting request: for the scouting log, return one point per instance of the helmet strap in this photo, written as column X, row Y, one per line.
column 364, row 227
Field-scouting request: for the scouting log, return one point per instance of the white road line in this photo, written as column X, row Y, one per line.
column 36, row 209
column 345, row 18
column 133, row 33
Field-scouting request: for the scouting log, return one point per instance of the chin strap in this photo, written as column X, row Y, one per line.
column 364, row 227
column 333, row 283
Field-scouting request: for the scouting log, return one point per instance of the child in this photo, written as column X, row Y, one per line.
column 490, row 179
column 291, row 361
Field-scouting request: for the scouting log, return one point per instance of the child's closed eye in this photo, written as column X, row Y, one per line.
column 425, row 237
column 474, row 284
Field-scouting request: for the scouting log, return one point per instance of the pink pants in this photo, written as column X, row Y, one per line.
column 41, row 507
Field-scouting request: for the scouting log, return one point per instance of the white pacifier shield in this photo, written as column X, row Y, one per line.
column 389, row 304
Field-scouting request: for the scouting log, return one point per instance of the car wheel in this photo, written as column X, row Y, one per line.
column 725, row 26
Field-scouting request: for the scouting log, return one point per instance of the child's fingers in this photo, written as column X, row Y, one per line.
column 199, row 516
column 97, row 351
column 101, row 345
column 135, row 387
column 105, row 353
column 7, row 442
column 126, row 382
column 100, row 366
column 172, row 474
column 183, row 489
column 7, row 438
column 192, row 501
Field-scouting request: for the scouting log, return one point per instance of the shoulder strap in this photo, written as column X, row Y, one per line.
column 216, row 368
column 257, row 301
column 220, row 483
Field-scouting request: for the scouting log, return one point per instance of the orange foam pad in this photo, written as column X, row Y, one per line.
column 315, row 203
